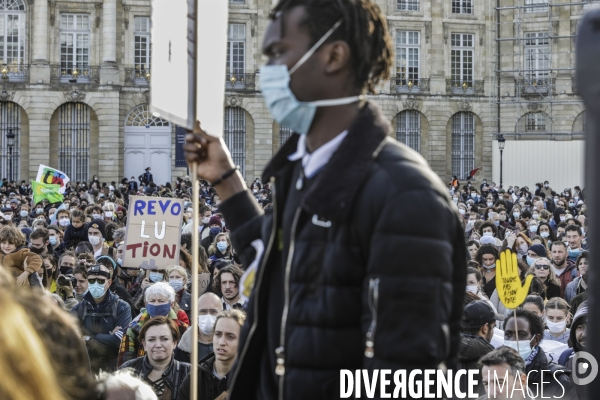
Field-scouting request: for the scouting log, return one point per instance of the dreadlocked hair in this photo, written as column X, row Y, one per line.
column 363, row 27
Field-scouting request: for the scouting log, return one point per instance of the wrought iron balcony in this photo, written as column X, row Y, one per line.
column 83, row 74
column 14, row 73
column 473, row 87
column 240, row 81
column 138, row 76
column 535, row 86
column 401, row 85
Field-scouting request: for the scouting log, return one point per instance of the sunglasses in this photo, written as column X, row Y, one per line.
column 97, row 280
column 545, row 266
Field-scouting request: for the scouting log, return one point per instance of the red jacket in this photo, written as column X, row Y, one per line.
column 567, row 276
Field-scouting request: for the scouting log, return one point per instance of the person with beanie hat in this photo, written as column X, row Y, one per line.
column 216, row 226
column 96, row 236
column 535, row 251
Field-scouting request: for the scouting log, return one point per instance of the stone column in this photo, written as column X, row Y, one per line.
column 109, row 32
column 40, row 32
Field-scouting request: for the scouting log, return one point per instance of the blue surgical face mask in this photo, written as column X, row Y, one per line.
column 156, row 277
column 53, row 240
column 215, row 231
column 283, row 105
column 544, row 234
column 574, row 253
column 222, row 246
column 97, row 290
column 530, row 261
column 162, row 310
column 523, row 347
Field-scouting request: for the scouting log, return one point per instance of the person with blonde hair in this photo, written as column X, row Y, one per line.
column 24, row 378
column 221, row 248
column 178, row 279
column 557, row 318
column 542, row 270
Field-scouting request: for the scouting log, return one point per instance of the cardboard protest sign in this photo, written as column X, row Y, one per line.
column 51, row 176
column 153, row 232
column 203, row 282
column 511, row 291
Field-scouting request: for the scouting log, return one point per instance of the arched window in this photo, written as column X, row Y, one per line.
column 12, row 33
column 235, row 136
column 408, row 129
column 535, row 122
column 142, row 117
column 284, row 135
column 10, row 131
column 74, row 139
column 463, row 144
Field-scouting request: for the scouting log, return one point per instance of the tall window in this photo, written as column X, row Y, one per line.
column 407, row 57
column 74, row 139
column 284, row 135
column 537, row 6
column 10, row 121
column 12, row 32
column 74, row 43
column 463, row 144
column 408, row 129
column 141, row 58
column 408, row 5
column 235, row 136
column 462, row 6
column 462, row 59
column 236, row 49
column 535, row 122
column 537, row 53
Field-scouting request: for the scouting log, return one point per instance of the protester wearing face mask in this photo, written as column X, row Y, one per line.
column 108, row 212
column 178, row 279
column 209, row 306
column 160, row 301
column 554, row 381
column 557, row 318
column 486, row 257
column 24, row 215
column 102, row 315
column 542, row 270
column 215, row 226
column 574, row 237
column 204, row 228
column 96, row 234
column 221, row 248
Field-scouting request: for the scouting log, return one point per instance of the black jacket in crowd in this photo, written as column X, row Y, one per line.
column 173, row 376
column 550, row 378
column 97, row 321
column 377, row 250
column 209, row 386
column 471, row 349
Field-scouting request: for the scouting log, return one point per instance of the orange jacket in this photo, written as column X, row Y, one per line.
column 15, row 262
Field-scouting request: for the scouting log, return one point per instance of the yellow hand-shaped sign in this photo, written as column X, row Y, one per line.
column 508, row 283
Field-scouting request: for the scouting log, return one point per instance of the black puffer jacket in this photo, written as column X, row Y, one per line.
column 548, row 379
column 173, row 375
column 378, row 250
column 471, row 349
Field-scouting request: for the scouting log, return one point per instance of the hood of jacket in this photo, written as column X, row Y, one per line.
column 332, row 194
column 473, row 347
column 579, row 318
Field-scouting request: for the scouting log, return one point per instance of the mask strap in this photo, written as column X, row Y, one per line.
column 336, row 102
column 310, row 52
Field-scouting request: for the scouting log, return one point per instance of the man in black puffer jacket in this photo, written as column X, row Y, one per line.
column 360, row 264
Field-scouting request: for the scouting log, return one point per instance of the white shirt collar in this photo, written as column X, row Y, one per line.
column 315, row 161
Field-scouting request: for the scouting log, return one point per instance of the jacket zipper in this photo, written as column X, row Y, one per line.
column 373, row 299
column 257, row 283
column 280, row 351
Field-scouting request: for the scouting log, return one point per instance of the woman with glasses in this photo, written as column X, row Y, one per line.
column 542, row 270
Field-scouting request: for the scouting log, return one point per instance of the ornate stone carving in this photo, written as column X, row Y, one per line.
column 464, row 105
column 534, row 107
column 6, row 96
column 233, row 101
column 427, row 31
column 52, row 12
column 74, row 95
column 126, row 20
column 146, row 96
column 253, row 24
column 445, row 27
column 98, row 12
column 411, row 104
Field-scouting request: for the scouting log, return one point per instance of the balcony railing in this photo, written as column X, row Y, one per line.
column 137, row 76
column 473, row 88
column 402, row 85
column 14, row 73
column 240, row 81
column 62, row 74
column 535, row 86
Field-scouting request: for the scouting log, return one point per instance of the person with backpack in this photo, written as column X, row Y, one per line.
column 102, row 315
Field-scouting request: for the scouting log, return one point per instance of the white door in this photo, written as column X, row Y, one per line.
column 147, row 144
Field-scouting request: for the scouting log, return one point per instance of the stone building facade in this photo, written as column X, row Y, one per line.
column 74, row 87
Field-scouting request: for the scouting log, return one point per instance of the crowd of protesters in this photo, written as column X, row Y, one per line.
column 547, row 229
column 109, row 329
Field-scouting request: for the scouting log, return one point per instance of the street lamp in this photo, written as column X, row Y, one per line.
column 10, row 141
column 501, row 143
